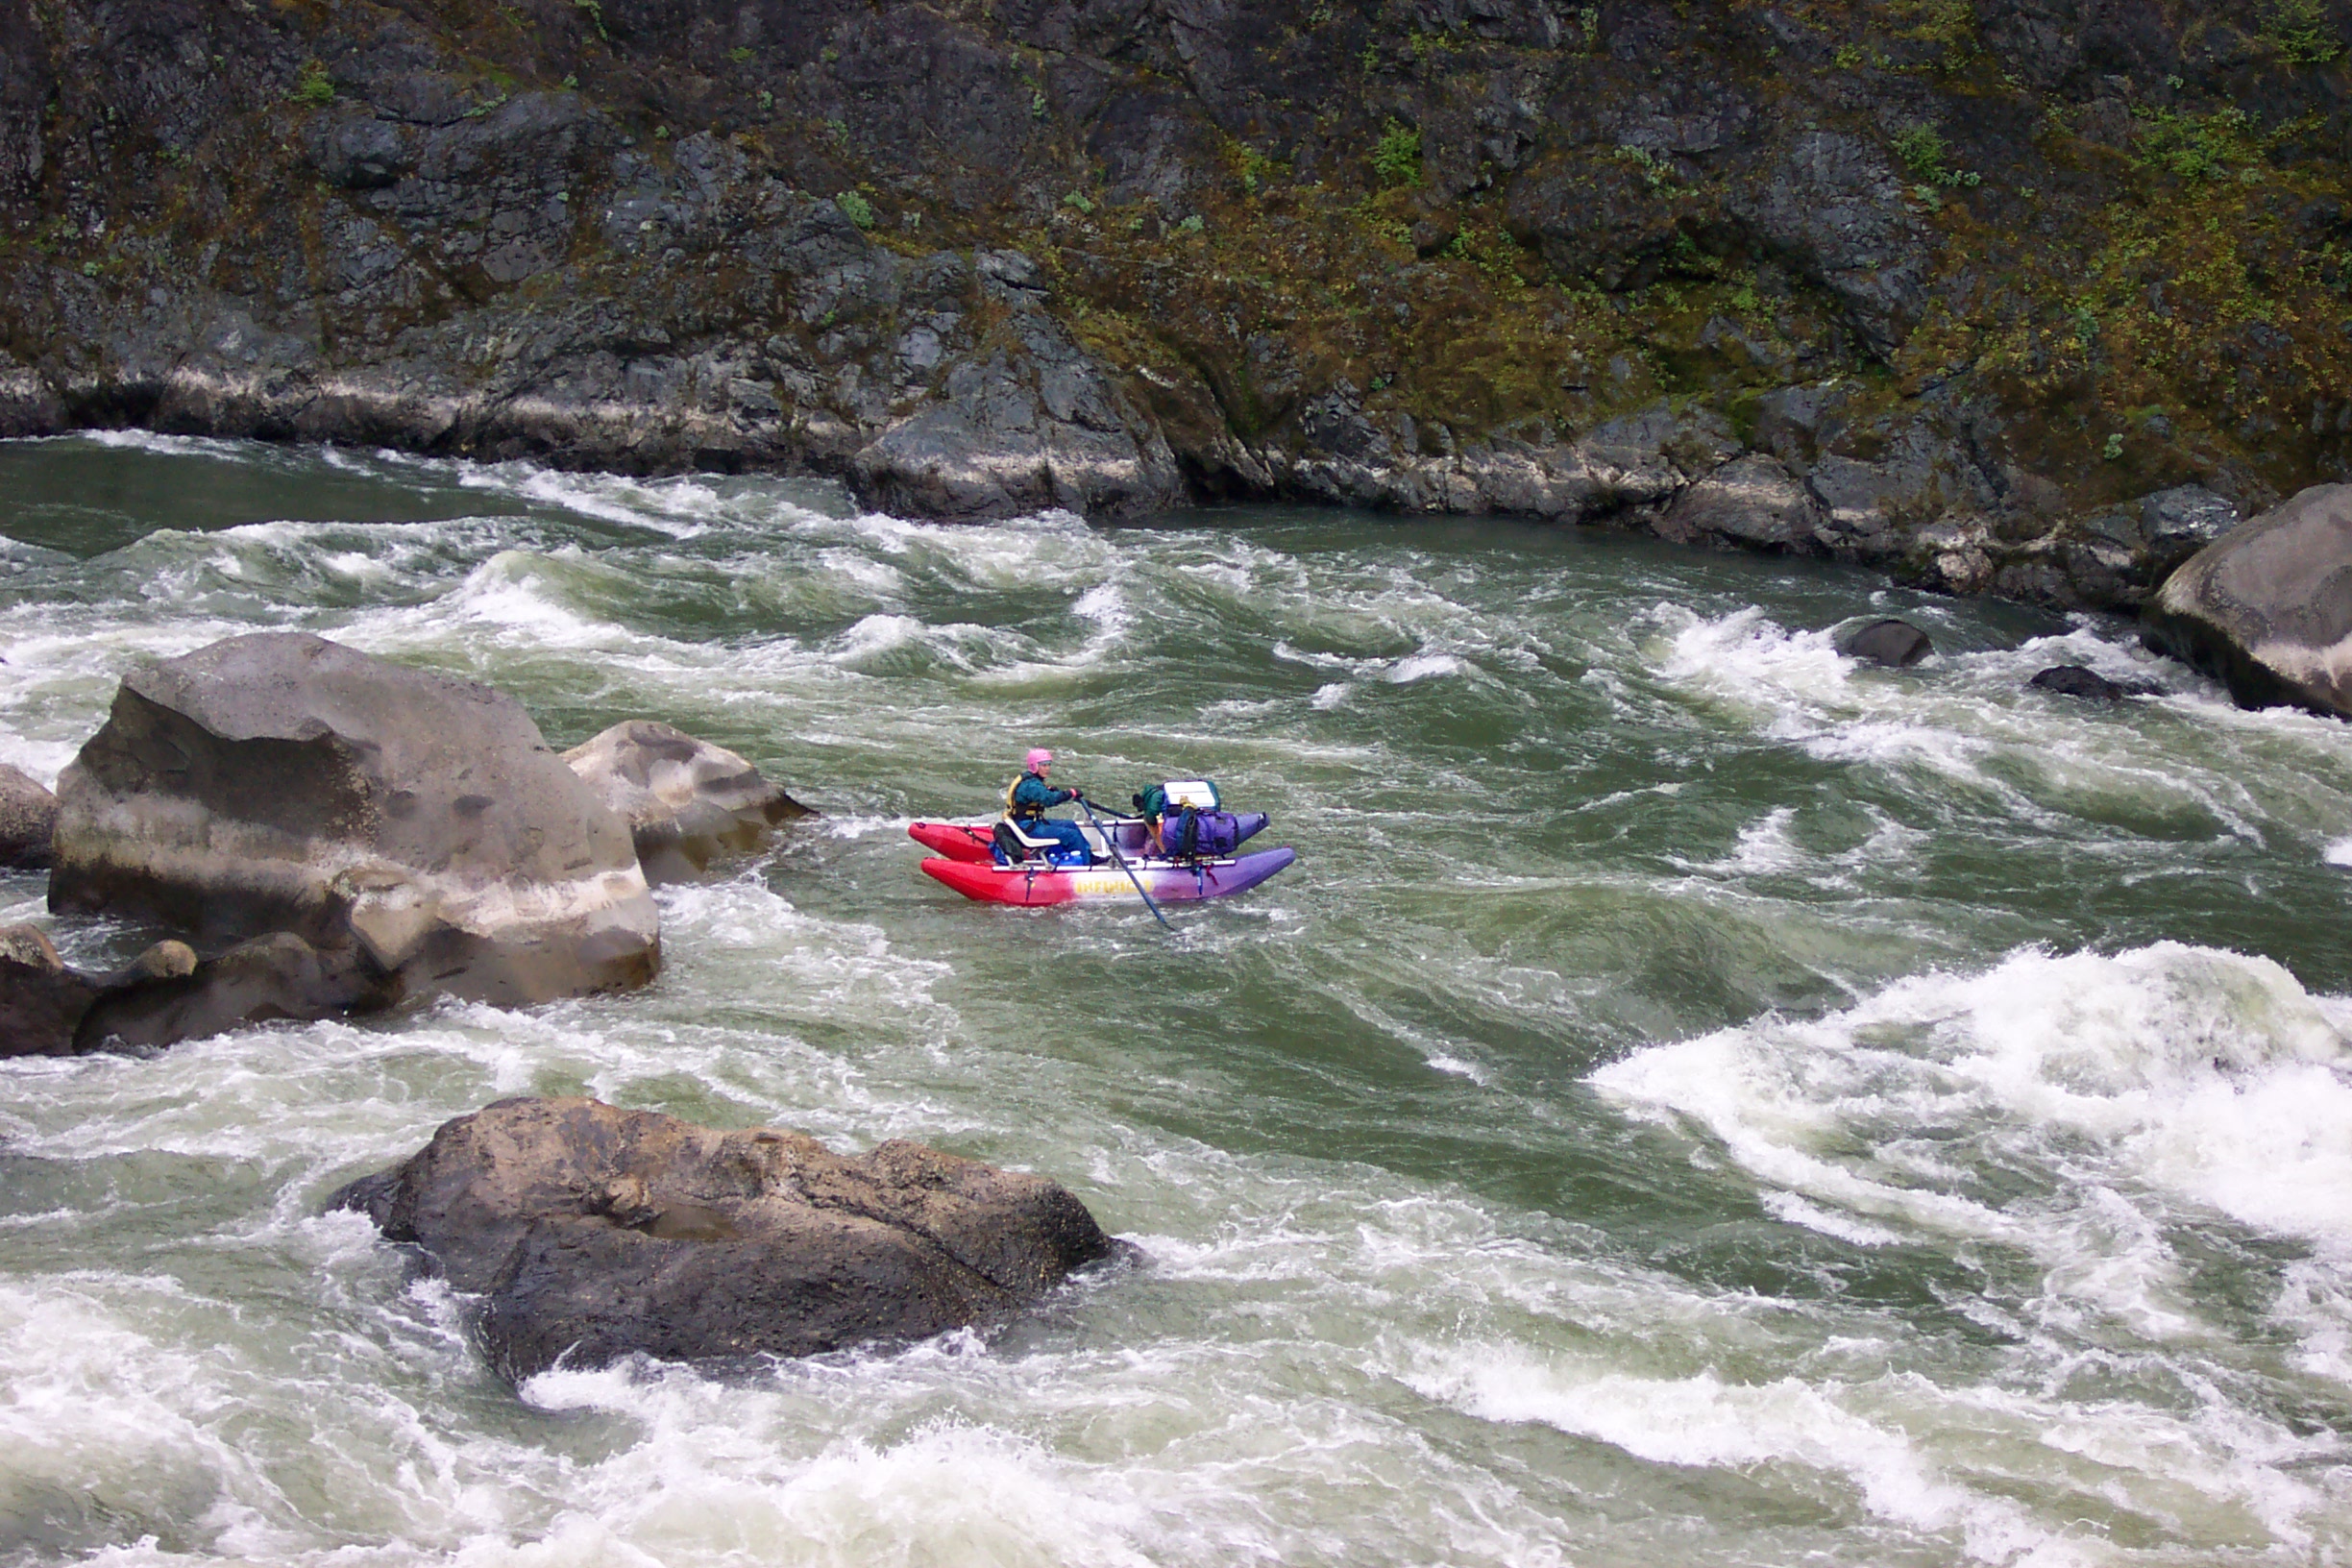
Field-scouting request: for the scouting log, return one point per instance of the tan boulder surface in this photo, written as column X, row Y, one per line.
column 687, row 801
column 417, row 821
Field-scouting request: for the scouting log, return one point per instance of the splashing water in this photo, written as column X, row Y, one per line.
column 1694, row 1100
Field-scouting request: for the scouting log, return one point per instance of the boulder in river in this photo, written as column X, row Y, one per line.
column 2082, row 681
column 593, row 1233
column 1895, row 643
column 163, row 998
column 41, row 1000
column 281, row 782
column 46, row 1005
column 2267, row 609
column 686, row 801
column 28, row 814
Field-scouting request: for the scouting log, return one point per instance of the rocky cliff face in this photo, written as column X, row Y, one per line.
column 1996, row 294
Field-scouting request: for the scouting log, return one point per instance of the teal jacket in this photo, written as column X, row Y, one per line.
column 1031, row 795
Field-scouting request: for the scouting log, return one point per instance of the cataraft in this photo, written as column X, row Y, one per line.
column 996, row 863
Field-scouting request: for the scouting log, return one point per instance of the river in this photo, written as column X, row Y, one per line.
column 1694, row 1100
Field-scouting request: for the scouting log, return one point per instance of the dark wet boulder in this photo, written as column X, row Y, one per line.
column 45, row 1005
column 171, row 995
column 280, row 782
column 2267, row 609
column 28, row 814
column 41, row 999
column 167, row 993
column 1895, row 643
column 2079, row 680
column 687, row 801
column 592, row 1232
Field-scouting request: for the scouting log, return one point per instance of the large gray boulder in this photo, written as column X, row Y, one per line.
column 687, row 801
column 27, row 814
column 2268, row 607
column 593, row 1233
column 280, row 782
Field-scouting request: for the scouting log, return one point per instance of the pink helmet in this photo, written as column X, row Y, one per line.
column 1037, row 759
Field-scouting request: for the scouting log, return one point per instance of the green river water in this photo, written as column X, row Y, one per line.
column 1694, row 1100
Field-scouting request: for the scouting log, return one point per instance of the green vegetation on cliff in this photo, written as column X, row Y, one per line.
column 2064, row 255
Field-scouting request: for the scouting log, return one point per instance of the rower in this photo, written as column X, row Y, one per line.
column 1028, row 797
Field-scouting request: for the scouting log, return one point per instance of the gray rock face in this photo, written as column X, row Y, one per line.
column 280, row 782
column 1897, row 644
column 648, row 237
column 687, row 801
column 28, row 814
column 1753, row 501
column 2268, row 609
column 593, row 1233
column 1833, row 205
column 2179, row 522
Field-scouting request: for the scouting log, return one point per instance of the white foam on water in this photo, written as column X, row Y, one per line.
column 1424, row 667
column 1052, row 548
column 1330, row 695
column 1105, row 604
column 2337, row 854
column 2165, row 1085
column 1796, row 1211
column 170, row 446
column 1701, row 1421
column 680, row 507
column 718, row 1474
column 2007, row 1477
column 1974, row 722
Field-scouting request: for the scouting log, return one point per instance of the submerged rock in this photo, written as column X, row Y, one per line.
column 415, row 821
column 1895, row 643
column 592, row 1232
column 686, row 801
column 2079, row 680
column 28, row 814
column 2268, row 609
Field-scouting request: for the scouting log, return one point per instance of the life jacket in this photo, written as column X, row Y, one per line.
column 1014, row 812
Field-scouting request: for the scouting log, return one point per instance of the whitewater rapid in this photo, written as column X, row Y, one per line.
column 1696, row 1099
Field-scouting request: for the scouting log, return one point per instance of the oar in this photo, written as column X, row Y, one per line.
column 1112, row 843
